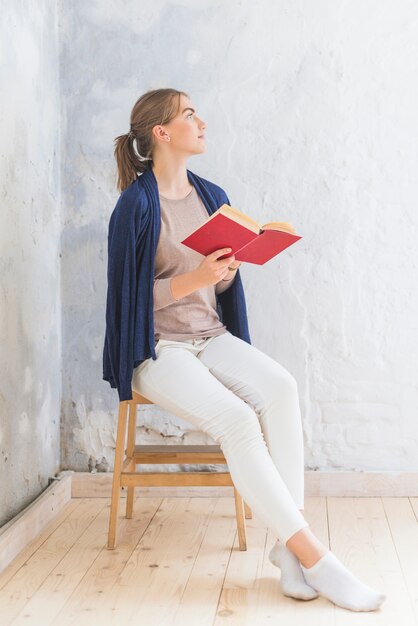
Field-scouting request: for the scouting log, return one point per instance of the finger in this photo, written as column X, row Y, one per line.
column 220, row 252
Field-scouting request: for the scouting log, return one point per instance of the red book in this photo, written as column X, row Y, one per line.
column 250, row 242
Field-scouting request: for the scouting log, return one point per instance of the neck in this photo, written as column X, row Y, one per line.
column 172, row 179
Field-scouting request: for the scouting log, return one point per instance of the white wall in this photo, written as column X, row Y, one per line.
column 311, row 117
column 30, row 228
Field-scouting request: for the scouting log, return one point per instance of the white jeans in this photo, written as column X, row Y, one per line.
column 249, row 405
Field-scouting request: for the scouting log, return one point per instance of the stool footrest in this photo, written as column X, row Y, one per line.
column 178, row 454
column 175, row 479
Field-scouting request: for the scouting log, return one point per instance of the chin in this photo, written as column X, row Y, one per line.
column 201, row 151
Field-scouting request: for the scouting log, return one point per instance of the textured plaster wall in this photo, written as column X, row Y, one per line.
column 30, row 311
column 311, row 117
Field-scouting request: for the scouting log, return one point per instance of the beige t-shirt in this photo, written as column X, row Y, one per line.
column 194, row 315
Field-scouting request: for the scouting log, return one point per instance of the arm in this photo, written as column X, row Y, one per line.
column 169, row 290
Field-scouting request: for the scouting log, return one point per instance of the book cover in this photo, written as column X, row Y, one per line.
column 250, row 242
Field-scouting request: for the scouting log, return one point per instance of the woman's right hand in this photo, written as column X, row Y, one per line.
column 211, row 271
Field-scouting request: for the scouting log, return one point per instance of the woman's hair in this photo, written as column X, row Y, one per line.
column 154, row 107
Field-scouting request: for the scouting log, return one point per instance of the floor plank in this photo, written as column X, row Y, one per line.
column 19, row 590
column 360, row 537
column 177, row 563
column 87, row 599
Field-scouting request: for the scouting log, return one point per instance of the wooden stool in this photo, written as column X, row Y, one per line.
column 124, row 474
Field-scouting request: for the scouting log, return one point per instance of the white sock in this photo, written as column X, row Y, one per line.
column 334, row 581
column 292, row 580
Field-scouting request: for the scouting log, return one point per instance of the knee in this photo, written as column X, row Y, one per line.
column 241, row 428
column 282, row 382
column 291, row 382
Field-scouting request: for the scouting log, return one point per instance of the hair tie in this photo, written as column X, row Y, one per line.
column 135, row 147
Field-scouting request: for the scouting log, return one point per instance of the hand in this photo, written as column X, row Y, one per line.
column 211, row 270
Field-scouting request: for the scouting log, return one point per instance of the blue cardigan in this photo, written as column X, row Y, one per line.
column 134, row 229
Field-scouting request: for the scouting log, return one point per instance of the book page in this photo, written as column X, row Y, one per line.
column 245, row 220
column 240, row 217
column 285, row 226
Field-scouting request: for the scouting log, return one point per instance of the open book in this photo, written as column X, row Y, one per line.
column 250, row 242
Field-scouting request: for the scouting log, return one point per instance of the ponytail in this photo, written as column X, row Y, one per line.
column 129, row 162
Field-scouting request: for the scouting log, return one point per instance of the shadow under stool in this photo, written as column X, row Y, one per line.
column 126, row 475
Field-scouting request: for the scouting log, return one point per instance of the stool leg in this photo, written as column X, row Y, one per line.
column 130, row 453
column 239, row 508
column 119, row 452
column 248, row 511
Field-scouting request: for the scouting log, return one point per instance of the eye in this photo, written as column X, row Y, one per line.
column 190, row 114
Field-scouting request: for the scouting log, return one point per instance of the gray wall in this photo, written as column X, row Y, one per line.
column 311, row 118
column 30, row 230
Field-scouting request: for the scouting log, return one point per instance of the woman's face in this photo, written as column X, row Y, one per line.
column 186, row 130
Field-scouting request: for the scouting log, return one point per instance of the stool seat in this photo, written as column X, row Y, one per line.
column 130, row 454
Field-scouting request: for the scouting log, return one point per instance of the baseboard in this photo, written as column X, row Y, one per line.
column 31, row 521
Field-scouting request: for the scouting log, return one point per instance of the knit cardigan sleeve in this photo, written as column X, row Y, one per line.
column 118, row 356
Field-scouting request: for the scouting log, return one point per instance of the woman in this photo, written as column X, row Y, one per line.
column 177, row 333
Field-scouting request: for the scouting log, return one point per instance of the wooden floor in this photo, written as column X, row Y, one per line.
column 177, row 562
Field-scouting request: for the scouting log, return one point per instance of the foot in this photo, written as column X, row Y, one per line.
column 334, row 581
column 292, row 580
